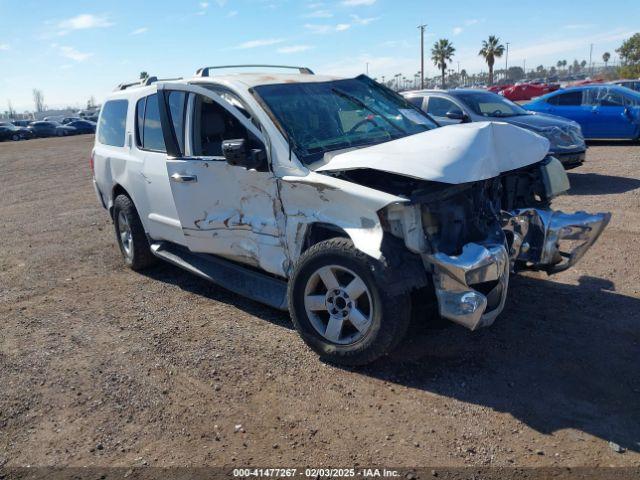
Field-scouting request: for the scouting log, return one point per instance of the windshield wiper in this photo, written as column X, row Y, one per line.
column 361, row 104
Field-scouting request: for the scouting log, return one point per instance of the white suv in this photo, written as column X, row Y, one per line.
column 333, row 198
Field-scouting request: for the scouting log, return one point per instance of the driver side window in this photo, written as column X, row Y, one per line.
column 212, row 124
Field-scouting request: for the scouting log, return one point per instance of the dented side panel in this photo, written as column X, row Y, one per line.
column 231, row 212
column 317, row 198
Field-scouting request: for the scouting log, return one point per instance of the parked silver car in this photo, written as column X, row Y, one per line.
column 474, row 105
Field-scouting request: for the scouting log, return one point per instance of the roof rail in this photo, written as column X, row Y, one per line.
column 144, row 82
column 205, row 71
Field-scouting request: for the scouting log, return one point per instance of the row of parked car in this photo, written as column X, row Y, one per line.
column 566, row 117
column 25, row 130
column 529, row 90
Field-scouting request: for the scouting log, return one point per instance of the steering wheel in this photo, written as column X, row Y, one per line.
column 496, row 113
column 362, row 122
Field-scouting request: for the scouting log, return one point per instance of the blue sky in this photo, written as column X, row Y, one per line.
column 74, row 49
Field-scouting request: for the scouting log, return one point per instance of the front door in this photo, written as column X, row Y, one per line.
column 610, row 115
column 224, row 209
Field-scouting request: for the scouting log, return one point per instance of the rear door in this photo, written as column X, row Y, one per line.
column 569, row 104
column 224, row 209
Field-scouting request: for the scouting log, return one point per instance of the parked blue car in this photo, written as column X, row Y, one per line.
column 603, row 111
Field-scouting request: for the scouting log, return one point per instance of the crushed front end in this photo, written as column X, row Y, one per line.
column 472, row 236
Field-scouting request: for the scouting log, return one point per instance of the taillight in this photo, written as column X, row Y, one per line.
column 91, row 166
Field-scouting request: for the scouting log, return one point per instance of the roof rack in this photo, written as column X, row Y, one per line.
column 205, row 71
column 145, row 82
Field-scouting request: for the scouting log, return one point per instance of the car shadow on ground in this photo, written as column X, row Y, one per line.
column 191, row 283
column 560, row 356
column 612, row 143
column 596, row 184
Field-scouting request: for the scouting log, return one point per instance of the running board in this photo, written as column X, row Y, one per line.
column 232, row 276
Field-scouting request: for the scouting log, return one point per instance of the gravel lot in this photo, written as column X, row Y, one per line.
column 103, row 366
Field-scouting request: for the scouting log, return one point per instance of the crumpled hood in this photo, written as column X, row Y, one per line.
column 453, row 154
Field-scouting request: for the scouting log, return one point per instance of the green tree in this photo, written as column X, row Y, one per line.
column 629, row 51
column 491, row 49
column 144, row 75
column 606, row 56
column 516, row 73
column 441, row 53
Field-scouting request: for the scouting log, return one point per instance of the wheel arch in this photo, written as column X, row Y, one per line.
column 317, row 232
column 116, row 190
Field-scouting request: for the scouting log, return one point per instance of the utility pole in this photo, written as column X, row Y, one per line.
column 367, row 69
column 422, row 27
column 590, row 61
column 506, row 63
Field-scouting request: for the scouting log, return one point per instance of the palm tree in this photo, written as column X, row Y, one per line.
column 606, row 56
column 441, row 53
column 491, row 49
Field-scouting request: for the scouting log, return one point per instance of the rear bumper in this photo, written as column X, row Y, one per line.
column 99, row 194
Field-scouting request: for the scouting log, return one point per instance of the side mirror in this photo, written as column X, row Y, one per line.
column 237, row 153
column 457, row 115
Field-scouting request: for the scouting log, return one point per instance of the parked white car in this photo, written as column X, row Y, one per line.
column 333, row 198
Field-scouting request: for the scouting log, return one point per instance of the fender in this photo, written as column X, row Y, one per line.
column 318, row 198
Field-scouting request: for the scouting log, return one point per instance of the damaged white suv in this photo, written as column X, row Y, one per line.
column 333, row 198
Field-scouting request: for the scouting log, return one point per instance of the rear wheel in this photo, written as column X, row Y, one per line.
column 130, row 235
column 340, row 306
column 15, row 137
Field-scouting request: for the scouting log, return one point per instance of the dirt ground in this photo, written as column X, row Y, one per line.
column 103, row 366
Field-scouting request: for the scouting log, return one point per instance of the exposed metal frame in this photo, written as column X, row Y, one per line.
column 205, row 71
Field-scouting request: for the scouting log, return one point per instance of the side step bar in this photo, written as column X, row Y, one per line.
column 241, row 280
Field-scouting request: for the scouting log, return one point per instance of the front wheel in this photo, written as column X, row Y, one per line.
column 340, row 306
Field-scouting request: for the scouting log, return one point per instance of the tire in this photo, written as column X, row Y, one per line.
column 130, row 235
column 60, row 133
column 15, row 137
column 388, row 315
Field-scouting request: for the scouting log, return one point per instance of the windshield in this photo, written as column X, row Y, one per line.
column 327, row 116
column 490, row 104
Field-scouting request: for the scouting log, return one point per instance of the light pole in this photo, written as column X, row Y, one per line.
column 590, row 62
column 422, row 27
column 506, row 63
column 367, row 69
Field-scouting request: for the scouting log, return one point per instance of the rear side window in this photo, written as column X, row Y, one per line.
column 177, row 108
column 148, row 126
column 438, row 107
column 416, row 101
column 567, row 99
column 113, row 119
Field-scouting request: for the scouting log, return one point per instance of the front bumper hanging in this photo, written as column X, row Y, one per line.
column 549, row 240
column 471, row 288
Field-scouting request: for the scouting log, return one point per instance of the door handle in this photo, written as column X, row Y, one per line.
column 180, row 178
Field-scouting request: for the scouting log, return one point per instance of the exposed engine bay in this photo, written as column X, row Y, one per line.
column 471, row 236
